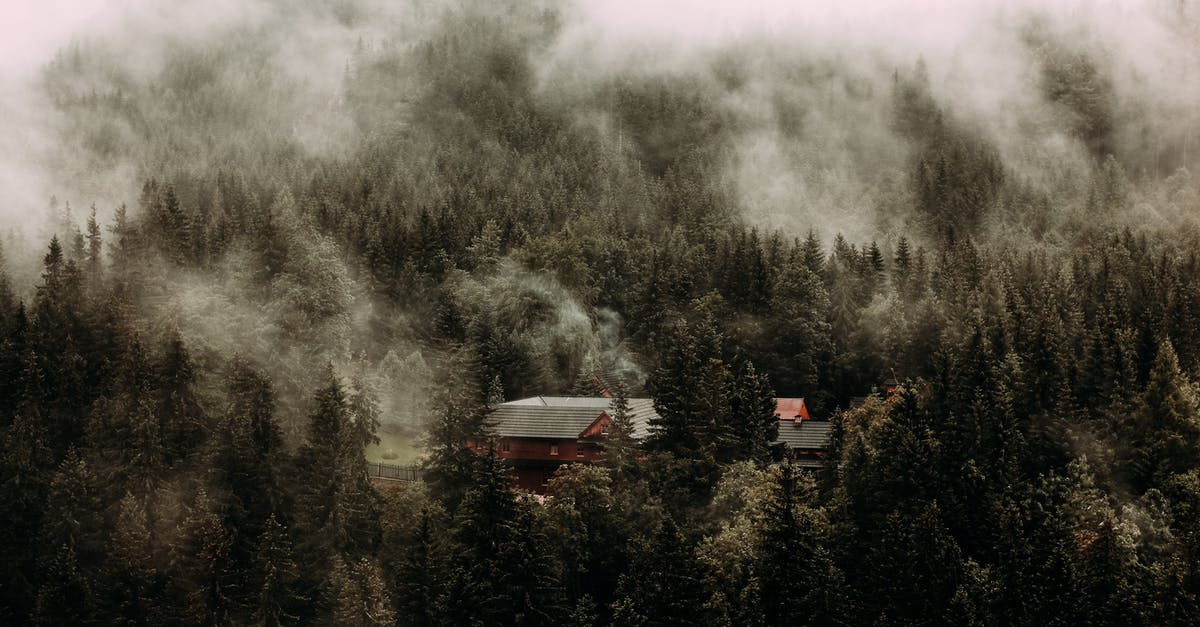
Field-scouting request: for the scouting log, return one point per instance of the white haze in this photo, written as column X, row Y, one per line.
column 980, row 69
column 839, row 175
column 832, row 63
column 30, row 32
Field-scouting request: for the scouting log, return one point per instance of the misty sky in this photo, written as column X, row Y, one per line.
column 975, row 56
column 33, row 29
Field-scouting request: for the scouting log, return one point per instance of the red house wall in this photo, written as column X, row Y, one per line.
column 532, row 462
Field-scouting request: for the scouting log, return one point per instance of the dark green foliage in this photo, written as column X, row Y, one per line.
column 1037, row 466
column 182, row 419
column 361, row 599
column 1165, row 436
column 956, row 175
column 203, row 565
column 663, row 585
column 336, row 507
column 417, row 564
column 793, row 571
column 275, row 568
column 1073, row 80
column 505, row 577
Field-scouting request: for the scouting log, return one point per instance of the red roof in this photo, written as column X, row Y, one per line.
column 791, row 409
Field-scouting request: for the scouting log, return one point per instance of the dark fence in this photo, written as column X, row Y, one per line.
column 392, row 472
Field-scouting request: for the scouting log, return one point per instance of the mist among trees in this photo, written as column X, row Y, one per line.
column 265, row 236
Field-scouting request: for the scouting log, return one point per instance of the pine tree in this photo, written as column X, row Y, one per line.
column 12, row 353
column 663, row 585
column 674, row 386
column 796, row 579
column 361, row 598
column 202, row 565
column 620, row 447
column 875, row 258
column 483, row 524
column 94, row 262
column 451, row 466
column 811, row 254
column 752, row 406
column 66, row 596
column 319, row 473
column 247, row 447
column 799, row 334
column 74, row 514
column 184, row 424
column 1166, row 437
column 420, row 575
column 72, row 541
column 123, row 432
column 912, row 569
column 25, row 461
column 277, row 571
column 588, row 523
column 335, row 503
column 364, row 408
column 902, row 266
column 130, row 572
column 8, row 301
column 1105, row 567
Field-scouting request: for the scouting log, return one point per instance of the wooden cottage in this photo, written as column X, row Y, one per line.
column 538, row 435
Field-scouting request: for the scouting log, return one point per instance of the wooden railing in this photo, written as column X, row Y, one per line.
column 392, row 472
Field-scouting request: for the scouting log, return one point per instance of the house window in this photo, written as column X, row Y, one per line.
column 504, row 445
column 578, row 450
column 554, row 449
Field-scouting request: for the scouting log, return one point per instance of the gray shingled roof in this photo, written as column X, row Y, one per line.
column 562, row 417
column 809, row 434
column 541, row 421
column 562, row 401
column 641, row 412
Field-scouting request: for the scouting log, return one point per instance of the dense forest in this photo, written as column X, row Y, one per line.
column 331, row 218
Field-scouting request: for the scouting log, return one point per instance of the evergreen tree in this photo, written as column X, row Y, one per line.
column 335, row 503
column 620, row 447
column 902, row 266
column 663, row 585
column 8, row 300
column 131, row 578
column 184, row 424
column 756, row 423
column 275, row 566
column 1166, row 435
column 94, row 262
column 361, row 599
column 811, row 254
column 73, row 537
column 66, row 596
column 25, row 461
column 203, row 567
column 794, row 574
column 420, row 574
column 451, row 466
column 247, row 448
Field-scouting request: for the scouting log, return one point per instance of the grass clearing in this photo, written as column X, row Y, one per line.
column 396, row 446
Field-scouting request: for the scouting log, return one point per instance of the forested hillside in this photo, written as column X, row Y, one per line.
column 279, row 231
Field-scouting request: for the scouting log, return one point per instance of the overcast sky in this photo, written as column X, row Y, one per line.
column 30, row 30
